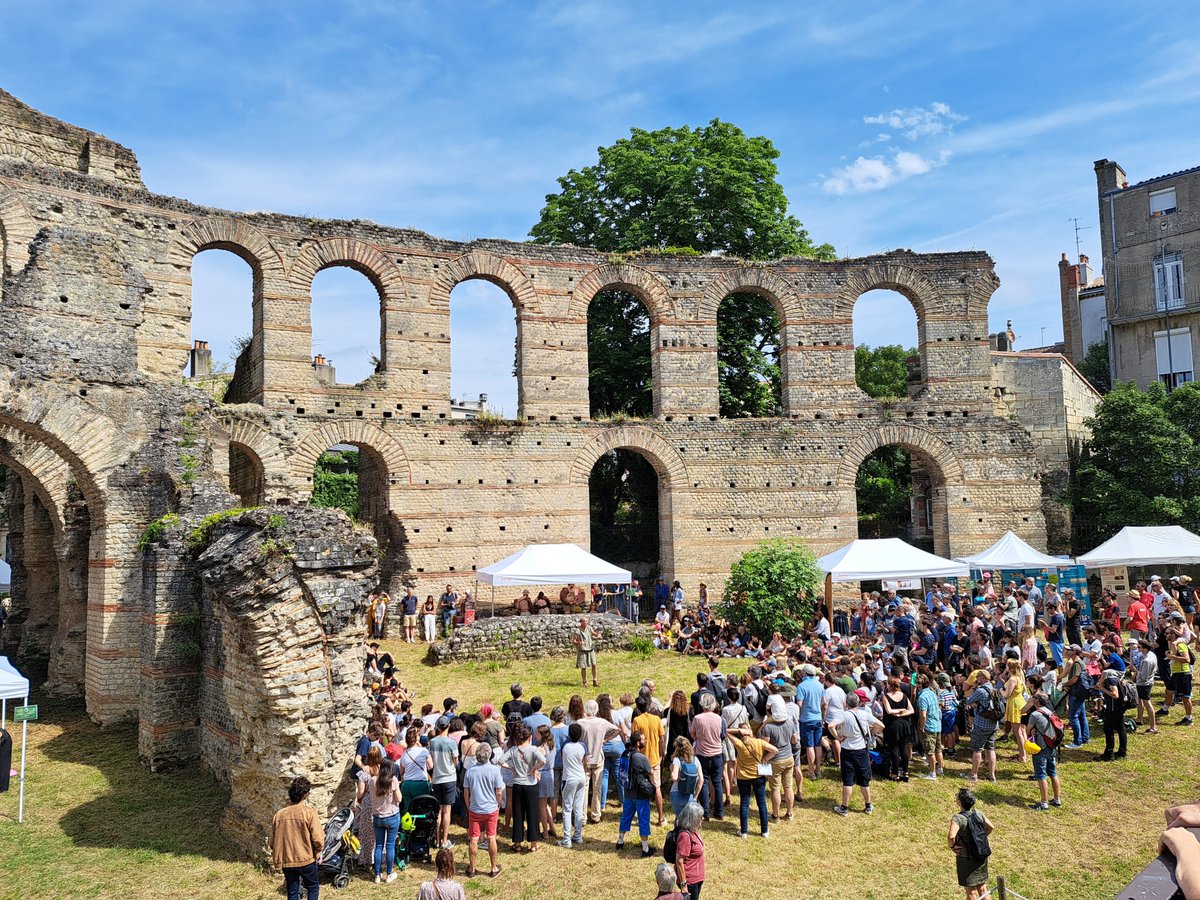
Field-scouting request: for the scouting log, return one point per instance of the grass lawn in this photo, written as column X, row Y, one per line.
column 99, row 825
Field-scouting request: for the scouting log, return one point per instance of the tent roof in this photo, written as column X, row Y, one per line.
column 1145, row 546
column 13, row 685
column 1010, row 552
column 553, row 564
column 866, row 559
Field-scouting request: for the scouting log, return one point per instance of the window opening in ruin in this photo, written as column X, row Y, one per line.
column 335, row 480
column 887, row 346
column 900, row 493
column 246, row 476
column 346, row 320
column 483, row 350
column 620, row 373
column 623, row 495
column 750, row 383
column 222, row 317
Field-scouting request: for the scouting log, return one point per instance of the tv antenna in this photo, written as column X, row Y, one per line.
column 1078, row 243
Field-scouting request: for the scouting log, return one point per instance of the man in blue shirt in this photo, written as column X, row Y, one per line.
column 449, row 608
column 661, row 592
column 536, row 717
column 409, row 605
column 810, row 697
column 1056, row 625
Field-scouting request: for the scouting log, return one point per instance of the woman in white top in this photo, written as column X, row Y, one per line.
column 525, row 761
column 735, row 716
column 444, row 887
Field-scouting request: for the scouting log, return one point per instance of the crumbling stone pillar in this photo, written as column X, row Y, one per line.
column 68, row 646
column 288, row 591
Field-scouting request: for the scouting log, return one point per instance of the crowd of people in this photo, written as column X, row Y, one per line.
column 890, row 689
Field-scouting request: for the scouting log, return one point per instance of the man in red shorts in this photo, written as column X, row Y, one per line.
column 483, row 790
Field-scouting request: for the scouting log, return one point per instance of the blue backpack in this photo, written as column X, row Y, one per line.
column 623, row 771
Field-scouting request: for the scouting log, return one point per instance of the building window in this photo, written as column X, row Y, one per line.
column 1162, row 202
column 1174, row 356
column 1168, row 282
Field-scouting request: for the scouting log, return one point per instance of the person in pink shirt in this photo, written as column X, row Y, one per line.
column 689, row 850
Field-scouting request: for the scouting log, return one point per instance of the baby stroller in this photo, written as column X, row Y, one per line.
column 417, row 829
column 341, row 845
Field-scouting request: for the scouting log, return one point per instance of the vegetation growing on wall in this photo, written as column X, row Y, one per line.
column 335, row 481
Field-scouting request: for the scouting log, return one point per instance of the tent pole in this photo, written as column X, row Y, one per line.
column 494, row 616
column 21, row 791
column 829, row 599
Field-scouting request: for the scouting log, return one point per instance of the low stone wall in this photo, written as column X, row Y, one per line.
column 531, row 637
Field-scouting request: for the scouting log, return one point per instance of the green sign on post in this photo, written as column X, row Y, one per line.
column 25, row 713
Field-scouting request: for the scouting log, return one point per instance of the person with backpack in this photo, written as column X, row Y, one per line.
column 1046, row 731
column 1117, row 696
column 1181, row 658
column 685, row 848
column 686, row 777
column 969, row 841
column 988, row 705
column 636, row 776
column 1077, row 683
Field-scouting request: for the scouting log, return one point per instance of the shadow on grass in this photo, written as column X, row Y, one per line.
column 176, row 813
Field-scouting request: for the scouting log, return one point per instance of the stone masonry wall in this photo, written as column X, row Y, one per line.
column 532, row 637
column 95, row 321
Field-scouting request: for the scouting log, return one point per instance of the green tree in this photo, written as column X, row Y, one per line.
column 1094, row 366
column 621, row 381
column 711, row 189
column 1142, row 463
column 773, row 587
column 335, row 481
column 884, row 491
column 882, row 371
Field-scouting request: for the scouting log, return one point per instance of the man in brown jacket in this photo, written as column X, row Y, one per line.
column 297, row 841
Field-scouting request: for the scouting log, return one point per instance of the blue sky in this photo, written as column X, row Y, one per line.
column 919, row 125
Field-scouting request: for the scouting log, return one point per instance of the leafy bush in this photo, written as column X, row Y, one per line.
column 641, row 647
column 772, row 588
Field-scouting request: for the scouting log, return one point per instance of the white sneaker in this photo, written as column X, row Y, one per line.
column 379, row 879
column 393, row 877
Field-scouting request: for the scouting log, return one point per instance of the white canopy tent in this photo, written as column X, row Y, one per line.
column 1010, row 552
column 15, row 686
column 867, row 559
column 1158, row 545
column 551, row 564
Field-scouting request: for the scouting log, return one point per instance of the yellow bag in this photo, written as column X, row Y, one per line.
column 1031, row 747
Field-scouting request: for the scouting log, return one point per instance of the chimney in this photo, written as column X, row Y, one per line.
column 1068, row 288
column 200, row 360
column 1110, row 176
column 483, row 401
column 1085, row 271
column 326, row 374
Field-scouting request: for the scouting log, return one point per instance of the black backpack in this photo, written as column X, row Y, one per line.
column 760, row 702
column 1128, row 697
column 669, row 845
column 974, row 838
column 995, row 708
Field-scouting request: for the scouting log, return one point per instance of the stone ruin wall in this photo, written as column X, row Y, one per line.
column 104, row 437
column 533, row 637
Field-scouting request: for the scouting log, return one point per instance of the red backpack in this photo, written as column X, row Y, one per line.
column 1057, row 730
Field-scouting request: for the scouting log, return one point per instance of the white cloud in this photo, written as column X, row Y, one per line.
column 875, row 173
column 917, row 122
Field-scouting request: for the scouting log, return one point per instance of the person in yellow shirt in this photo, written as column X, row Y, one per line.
column 650, row 725
column 1181, row 673
column 751, row 754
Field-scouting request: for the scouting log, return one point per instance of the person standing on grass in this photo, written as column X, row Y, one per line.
column 964, row 825
column 929, row 726
column 854, row 731
column 296, row 841
column 1180, row 657
column 584, row 639
column 689, row 850
column 483, row 786
column 525, row 761
column 416, row 764
column 429, row 619
column 1147, row 671
column 707, row 731
column 443, row 751
column 780, row 734
column 363, row 797
column 1045, row 762
column 810, row 697
column 752, row 756
column 449, row 609
column 649, row 724
column 444, row 887
column 983, row 728
column 385, row 815
column 638, row 795
column 686, row 777
column 409, row 605
column 574, row 786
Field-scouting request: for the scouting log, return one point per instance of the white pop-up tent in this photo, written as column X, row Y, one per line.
column 1159, row 545
column 867, row 559
column 15, row 686
column 551, row 564
column 1010, row 552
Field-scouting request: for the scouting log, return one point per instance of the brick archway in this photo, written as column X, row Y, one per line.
column 230, row 234
column 889, row 275
column 666, row 461
column 622, row 277
column 752, row 280
column 359, row 433
column 488, row 267
column 907, row 436
column 353, row 254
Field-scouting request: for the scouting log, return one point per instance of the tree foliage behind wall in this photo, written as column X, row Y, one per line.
column 619, row 356
column 711, row 189
column 882, row 371
column 335, row 481
column 884, row 491
column 1094, row 367
column 623, row 497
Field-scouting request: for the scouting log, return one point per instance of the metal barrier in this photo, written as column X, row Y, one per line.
column 1156, row 881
